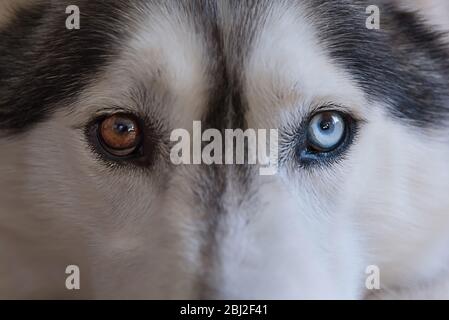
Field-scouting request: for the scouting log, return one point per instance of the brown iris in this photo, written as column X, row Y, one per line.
column 120, row 134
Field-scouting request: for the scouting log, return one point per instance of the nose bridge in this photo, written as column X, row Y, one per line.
column 226, row 110
column 230, row 206
column 226, row 209
column 259, row 244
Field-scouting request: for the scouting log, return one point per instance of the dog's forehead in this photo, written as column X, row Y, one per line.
column 219, row 49
column 227, row 58
column 294, row 47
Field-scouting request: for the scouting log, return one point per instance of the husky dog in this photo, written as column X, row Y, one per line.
column 86, row 178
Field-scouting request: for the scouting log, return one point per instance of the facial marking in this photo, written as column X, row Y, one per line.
column 289, row 72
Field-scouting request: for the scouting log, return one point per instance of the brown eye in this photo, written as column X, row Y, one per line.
column 120, row 135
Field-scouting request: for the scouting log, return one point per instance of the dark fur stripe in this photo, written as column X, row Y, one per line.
column 405, row 64
column 42, row 64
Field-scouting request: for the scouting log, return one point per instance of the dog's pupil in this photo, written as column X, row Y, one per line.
column 326, row 125
column 122, row 128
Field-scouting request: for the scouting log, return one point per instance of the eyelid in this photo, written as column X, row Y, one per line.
column 348, row 107
column 103, row 113
column 331, row 107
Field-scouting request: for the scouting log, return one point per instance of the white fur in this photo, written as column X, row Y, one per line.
column 434, row 11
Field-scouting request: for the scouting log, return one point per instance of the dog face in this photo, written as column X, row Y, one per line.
column 86, row 176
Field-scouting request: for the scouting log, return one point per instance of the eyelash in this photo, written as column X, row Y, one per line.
column 304, row 157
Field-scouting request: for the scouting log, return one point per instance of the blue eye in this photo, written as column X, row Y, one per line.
column 326, row 131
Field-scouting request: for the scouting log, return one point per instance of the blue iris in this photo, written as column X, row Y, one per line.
column 326, row 131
